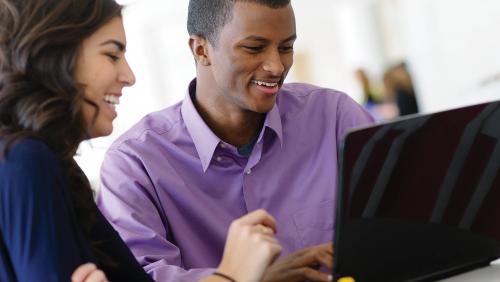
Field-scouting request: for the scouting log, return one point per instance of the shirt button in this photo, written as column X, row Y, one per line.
column 222, row 145
column 248, row 172
column 219, row 159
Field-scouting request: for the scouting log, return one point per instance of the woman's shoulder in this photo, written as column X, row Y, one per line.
column 26, row 158
column 28, row 150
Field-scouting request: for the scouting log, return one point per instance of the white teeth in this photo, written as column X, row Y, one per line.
column 111, row 99
column 263, row 83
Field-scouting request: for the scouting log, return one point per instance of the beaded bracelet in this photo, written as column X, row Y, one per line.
column 223, row 276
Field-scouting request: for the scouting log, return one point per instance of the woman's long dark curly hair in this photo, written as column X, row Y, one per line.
column 39, row 97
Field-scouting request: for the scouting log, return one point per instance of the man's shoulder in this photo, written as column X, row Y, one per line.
column 306, row 89
column 309, row 92
column 300, row 95
column 152, row 125
column 305, row 104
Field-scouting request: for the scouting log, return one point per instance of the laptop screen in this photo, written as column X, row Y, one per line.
column 419, row 198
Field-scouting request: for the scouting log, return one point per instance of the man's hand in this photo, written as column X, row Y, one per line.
column 302, row 265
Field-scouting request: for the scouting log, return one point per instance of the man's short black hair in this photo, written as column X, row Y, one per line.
column 207, row 17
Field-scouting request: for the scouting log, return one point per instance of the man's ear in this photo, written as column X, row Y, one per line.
column 199, row 49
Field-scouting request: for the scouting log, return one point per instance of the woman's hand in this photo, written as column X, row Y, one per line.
column 88, row 272
column 250, row 247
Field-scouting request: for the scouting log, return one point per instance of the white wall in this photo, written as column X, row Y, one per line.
column 454, row 50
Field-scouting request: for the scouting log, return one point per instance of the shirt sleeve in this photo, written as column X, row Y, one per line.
column 38, row 227
column 128, row 200
column 350, row 115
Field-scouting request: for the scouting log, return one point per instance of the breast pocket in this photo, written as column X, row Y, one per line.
column 315, row 224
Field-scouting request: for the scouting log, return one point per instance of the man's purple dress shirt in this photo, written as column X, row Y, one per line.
column 171, row 187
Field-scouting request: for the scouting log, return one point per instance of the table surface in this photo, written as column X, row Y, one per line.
column 489, row 273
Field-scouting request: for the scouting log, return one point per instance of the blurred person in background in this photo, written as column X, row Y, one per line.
column 399, row 87
column 374, row 101
column 240, row 140
column 62, row 71
column 369, row 96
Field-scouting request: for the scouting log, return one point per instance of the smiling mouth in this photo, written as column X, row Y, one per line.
column 265, row 84
column 112, row 100
column 266, row 87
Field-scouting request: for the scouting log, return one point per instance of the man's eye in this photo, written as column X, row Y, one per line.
column 253, row 48
column 287, row 49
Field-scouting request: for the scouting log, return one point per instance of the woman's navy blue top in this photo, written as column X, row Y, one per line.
column 40, row 238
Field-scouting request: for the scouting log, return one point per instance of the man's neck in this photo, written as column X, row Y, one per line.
column 234, row 126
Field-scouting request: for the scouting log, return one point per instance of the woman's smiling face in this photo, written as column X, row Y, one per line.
column 103, row 71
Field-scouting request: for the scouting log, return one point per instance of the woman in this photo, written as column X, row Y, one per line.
column 62, row 71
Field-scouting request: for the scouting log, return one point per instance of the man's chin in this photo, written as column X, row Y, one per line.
column 263, row 109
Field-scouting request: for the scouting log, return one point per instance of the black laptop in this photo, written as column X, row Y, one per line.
column 419, row 198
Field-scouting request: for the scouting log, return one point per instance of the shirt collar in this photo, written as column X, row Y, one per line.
column 205, row 141
column 273, row 121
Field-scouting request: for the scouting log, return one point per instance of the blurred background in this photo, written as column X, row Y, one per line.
column 395, row 57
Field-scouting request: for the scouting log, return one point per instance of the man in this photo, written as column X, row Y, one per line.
column 240, row 140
